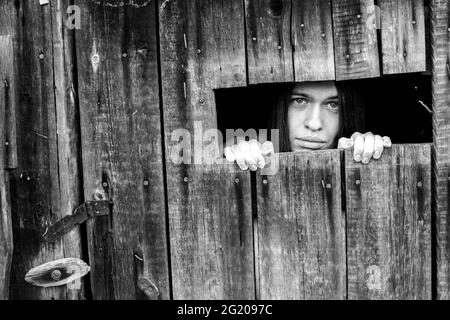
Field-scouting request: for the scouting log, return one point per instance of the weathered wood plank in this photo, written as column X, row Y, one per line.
column 211, row 234
column 203, row 48
column 440, row 41
column 8, row 75
column 301, row 229
column 6, row 238
column 402, row 36
column 40, row 192
column 313, row 40
column 269, row 47
column 122, row 150
column 355, row 39
column 67, row 142
column 389, row 225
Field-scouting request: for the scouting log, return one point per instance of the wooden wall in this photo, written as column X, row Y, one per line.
column 94, row 113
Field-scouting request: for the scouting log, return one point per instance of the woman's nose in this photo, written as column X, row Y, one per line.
column 313, row 121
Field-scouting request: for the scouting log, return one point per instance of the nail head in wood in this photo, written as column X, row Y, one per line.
column 95, row 58
column 56, row 275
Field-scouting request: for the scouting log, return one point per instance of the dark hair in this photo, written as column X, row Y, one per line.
column 351, row 115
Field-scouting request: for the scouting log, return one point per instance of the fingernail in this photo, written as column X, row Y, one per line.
column 365, row 160
column 253, row 168
column 357, row 157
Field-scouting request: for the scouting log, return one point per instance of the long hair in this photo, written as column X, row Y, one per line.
column 351, row 113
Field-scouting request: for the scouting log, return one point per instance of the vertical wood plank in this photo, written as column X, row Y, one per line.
column 122, row 150
column 211, row 233
column 203, row 48
column 8, row 75
column 402, row 36
column 6, row 238
column 40, row 192
column 69, row 167
column 269, row 47
column 440, row 42
column 313, row 40
column 355, row 39
column 301, row 229
column 389, row 225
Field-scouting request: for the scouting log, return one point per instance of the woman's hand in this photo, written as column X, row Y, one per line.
column 250, row 154
column 365, row 146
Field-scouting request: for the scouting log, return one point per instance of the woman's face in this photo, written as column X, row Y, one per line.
column 313, row 116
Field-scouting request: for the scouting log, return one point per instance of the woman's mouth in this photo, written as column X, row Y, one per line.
column 311, row 143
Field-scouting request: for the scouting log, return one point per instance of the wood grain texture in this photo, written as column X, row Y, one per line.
column 6, row 232
column 301, row 229
column 269, row 47
column 313, row 40
column 403, row 36
column 389, row 224
column 41, row 192
column 8, row 76
column 211, row 234
column 122, row 150
column 355, row 39
column 440, row 42
column 203, row 48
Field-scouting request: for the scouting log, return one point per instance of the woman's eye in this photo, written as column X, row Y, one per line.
column 333, row 105
column 300, row 101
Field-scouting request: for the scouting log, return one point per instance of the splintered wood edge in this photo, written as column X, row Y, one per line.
column 41, row 276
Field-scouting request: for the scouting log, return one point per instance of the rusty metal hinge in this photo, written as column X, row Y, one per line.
column 86, row 211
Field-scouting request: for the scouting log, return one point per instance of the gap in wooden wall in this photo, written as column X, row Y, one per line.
column 396, row 106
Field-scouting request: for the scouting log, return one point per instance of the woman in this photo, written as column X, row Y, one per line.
column 314, row 116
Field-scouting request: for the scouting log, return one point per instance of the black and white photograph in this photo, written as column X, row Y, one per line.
column 235, row 151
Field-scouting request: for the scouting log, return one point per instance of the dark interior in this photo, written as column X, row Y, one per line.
column 396, row 106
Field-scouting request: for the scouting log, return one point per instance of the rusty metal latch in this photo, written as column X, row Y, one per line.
column 58, row 273
column 86, row 211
